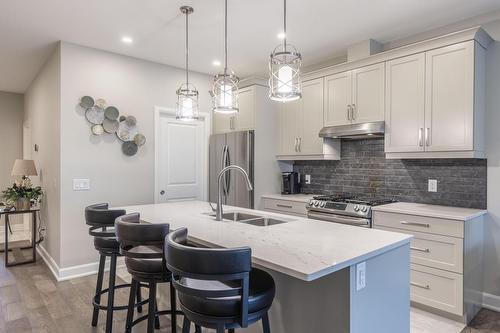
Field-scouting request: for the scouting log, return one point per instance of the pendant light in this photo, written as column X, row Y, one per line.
column 187, row 95
column 225, row 89
column 284, row 70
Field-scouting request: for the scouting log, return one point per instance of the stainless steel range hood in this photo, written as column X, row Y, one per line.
column 354, row 131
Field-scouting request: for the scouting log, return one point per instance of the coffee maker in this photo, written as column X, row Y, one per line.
column 290, row 183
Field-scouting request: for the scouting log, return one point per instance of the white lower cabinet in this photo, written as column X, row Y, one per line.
column 289, row 207
column 446, row 266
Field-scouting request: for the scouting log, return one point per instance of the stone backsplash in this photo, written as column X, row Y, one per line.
column 363, row 170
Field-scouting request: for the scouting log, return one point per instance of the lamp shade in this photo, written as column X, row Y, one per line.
column 24, row 168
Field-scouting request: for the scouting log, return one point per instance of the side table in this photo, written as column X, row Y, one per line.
column 7, row 214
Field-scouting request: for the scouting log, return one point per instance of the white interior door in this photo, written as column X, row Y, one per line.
column 181, row 159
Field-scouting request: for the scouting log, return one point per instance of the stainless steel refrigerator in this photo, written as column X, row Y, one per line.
column 235, row 148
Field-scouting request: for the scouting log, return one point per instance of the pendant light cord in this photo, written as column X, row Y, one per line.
column 225, row 38
column 284, row 25
column 187, row 51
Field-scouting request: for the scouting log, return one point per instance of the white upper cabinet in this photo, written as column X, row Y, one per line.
column 435, row 103
column 368, row 94
column 405, row 104
column 449, row 103
column 288, row 123
column 241, row 121
column 337, row 99
column 355, row 96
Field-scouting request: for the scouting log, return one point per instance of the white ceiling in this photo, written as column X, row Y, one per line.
column 320, row 29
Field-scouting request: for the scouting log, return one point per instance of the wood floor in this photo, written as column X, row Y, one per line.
column 32, row 301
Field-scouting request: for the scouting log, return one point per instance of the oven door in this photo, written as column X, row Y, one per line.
column 336, row 218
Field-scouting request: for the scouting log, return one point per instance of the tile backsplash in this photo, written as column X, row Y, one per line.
column 364, row 170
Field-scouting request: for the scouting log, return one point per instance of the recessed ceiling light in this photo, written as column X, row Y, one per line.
column 216, row 63
column 127, row 40
column 281, row 35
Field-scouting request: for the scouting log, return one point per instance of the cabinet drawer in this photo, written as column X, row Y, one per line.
column 435, row 251
column 290, row 207
column 436, row 288
column 423, row 224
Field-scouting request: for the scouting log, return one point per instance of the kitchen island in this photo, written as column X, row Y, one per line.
column 314, row 265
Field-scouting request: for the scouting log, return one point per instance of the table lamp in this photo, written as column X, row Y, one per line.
column 24, row 168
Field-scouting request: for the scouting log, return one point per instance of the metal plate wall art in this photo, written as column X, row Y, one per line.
column 107, row 120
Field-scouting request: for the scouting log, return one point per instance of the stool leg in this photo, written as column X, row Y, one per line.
column 265, row 324
column 220, row 329
column 130, row 309
column 139, row 299
column 151, row 307
column 231, row 330
column 98, row 288
column 197, row 328
column 157, row 317
column 186, row 325
column 173, row 307
column 111, row 294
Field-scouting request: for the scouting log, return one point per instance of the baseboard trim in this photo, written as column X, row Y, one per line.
column 72, row 272
column 491, row 302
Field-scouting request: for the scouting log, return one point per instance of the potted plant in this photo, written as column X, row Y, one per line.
column 22, row 193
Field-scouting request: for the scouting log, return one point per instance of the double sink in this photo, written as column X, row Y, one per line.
column 256, row 220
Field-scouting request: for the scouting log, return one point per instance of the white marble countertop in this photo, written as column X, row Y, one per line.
column 444, row 212
column 290, row 197
column 303, row 248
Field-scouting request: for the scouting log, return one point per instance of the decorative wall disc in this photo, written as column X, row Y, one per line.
column 86, row 102
column 131, row 121
column 126, row 132
column 97, row 129
column 110, row 126
column 95, row 115
column 129, row 148
column 111, row 113
column 139, row 139
column 100, row 103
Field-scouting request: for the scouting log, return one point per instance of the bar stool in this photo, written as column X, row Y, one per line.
column 142, row 245
column 218, row 288
column 101, row 221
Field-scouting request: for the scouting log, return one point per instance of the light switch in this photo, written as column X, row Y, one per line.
column 81, row 184
column 433, row 185
column 361, row 276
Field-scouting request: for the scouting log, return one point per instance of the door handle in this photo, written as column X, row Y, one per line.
column 162, row 192
column 426, row 286
column 419, row 249
column 427, row 134
column 284, row 206
column 296, row 143
column 349, row 112
column 300, row 142
column 420, row 137
column 353, row 112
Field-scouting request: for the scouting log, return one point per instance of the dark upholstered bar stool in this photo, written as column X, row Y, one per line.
column 218, row 288
column 101, row 221
column 142, row 245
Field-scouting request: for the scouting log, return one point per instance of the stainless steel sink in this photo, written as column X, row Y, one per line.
column 264, row 221
column 239, row 216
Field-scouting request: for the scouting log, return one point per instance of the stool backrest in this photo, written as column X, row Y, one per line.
column 98, row 216
column 131, row 233
column 209, row 264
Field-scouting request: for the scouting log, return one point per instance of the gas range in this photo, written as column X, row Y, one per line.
column 344, row 208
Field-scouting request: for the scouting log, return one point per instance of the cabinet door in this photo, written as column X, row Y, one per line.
column 221, row 123
column 449, row 108
column 311, row 117
column 245, row 118
column 405, row 104
column 288, row 136
column 368, row 87
column 337, row 99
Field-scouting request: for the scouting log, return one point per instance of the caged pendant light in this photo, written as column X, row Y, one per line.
column 187, row 95
column 284, row 70
column 225, row 88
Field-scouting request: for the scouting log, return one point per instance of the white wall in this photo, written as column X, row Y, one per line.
column 42, row 126
column 135, row 87
column 11, row 134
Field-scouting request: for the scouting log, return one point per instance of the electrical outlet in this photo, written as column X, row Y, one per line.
column 361, row 276
column 81, row 184
column 433, row 185
column 308, row 179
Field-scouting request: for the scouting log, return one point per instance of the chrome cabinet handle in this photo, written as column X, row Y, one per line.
column 300, row 143
column 420, row 137
column 296, row 142
column 426, row 286
column 349, row 112
column 424, row 225
column 420, row 249
column 353, row 112
column 284, row 206
column 427, row 134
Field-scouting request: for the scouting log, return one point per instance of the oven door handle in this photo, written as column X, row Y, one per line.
column 359, row 221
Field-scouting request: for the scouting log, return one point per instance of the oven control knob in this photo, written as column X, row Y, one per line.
column 356, row 208
column 311, row 202
column 316, row 204
column 364, row 209
column 323, row 204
